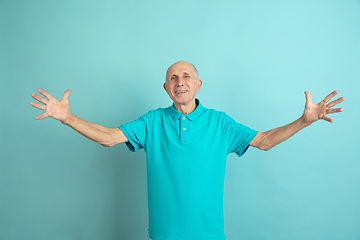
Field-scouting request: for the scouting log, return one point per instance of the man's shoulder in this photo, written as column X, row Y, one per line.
column 160, row 110
column 213, row 112
column 156, row 112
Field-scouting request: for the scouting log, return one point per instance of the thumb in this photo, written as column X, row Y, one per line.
column 66, row 95
column 308, row 96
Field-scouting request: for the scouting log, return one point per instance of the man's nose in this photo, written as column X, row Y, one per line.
column 180, row 83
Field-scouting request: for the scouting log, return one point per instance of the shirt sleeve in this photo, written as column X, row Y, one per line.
column 135, row 132
column 238, row 136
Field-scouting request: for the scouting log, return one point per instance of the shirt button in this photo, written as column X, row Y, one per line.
column 184, row 129
column 183, row 117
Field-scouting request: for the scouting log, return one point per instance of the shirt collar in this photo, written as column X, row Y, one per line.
column 191, row 116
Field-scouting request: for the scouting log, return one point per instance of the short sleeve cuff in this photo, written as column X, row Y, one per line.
column 131, row 144
column 245, row 145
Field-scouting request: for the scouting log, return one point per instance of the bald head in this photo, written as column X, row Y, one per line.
column 182, row 63
column 182, row 83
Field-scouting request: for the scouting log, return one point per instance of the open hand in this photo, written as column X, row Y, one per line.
column 314, row 112
column 58, row 110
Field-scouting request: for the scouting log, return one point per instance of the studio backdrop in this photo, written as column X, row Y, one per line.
column 255, row 58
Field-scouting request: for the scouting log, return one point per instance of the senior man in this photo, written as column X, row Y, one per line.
column 186, row 148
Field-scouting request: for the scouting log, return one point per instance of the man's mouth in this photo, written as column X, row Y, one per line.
column 180, row 92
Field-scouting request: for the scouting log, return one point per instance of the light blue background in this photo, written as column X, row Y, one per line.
column 256, row 58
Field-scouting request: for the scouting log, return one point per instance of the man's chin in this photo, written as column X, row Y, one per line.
column 183, row 101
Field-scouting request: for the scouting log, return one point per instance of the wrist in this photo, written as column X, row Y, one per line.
column 304, row 122
column 69, row 119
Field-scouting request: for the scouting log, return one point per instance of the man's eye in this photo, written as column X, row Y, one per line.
column 186, row 76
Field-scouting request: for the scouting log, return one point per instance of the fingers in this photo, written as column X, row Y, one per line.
column 40, row 99
column 46, row 94
column 37, row 105
column 326, row 118
column 42, row 116
column 308, row 96
column 334, row 110
column 330, row 96
column 335, row 102
column 66, row 95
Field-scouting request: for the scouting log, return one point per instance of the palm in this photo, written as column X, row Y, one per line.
column 314, row 112
column 58, row 110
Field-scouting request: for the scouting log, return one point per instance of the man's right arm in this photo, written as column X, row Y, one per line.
column 60, row 110
column 106, row 137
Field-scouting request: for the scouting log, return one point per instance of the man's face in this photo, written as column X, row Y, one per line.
column 182, row 83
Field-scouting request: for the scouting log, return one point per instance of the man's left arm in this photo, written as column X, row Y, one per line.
column 312, row 113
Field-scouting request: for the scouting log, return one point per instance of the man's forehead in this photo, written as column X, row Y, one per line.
column 182, row 67
column 179, row 71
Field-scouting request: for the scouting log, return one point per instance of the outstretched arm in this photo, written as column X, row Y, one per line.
column 60, row 110
column 312, row 113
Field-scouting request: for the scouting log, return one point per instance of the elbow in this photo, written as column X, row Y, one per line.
column 109, row 141
column 265, row 147
column 264, row 143
column 115, row 136
column 107, row 144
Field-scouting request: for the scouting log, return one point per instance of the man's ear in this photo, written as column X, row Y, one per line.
column 165, row 86
column 199, row 85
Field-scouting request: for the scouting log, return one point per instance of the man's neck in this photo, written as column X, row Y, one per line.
column 186, row 108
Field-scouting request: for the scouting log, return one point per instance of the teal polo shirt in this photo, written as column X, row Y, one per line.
column 186, row 161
